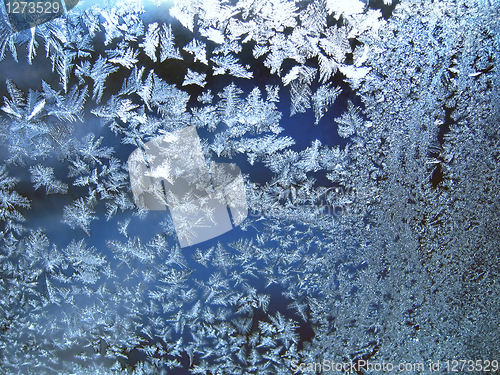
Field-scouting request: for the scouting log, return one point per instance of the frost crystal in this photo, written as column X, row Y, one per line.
column 80, row 213
column 198, row 49
column 167, row 44
column 151, row 41
column 194, row 78
column 44, row 176
column 349, row 122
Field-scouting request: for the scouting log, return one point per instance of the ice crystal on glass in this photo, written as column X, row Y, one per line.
column 367, row 138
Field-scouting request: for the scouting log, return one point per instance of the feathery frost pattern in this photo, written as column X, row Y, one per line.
column 367, row 137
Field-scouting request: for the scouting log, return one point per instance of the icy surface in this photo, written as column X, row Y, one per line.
column 368, row 141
